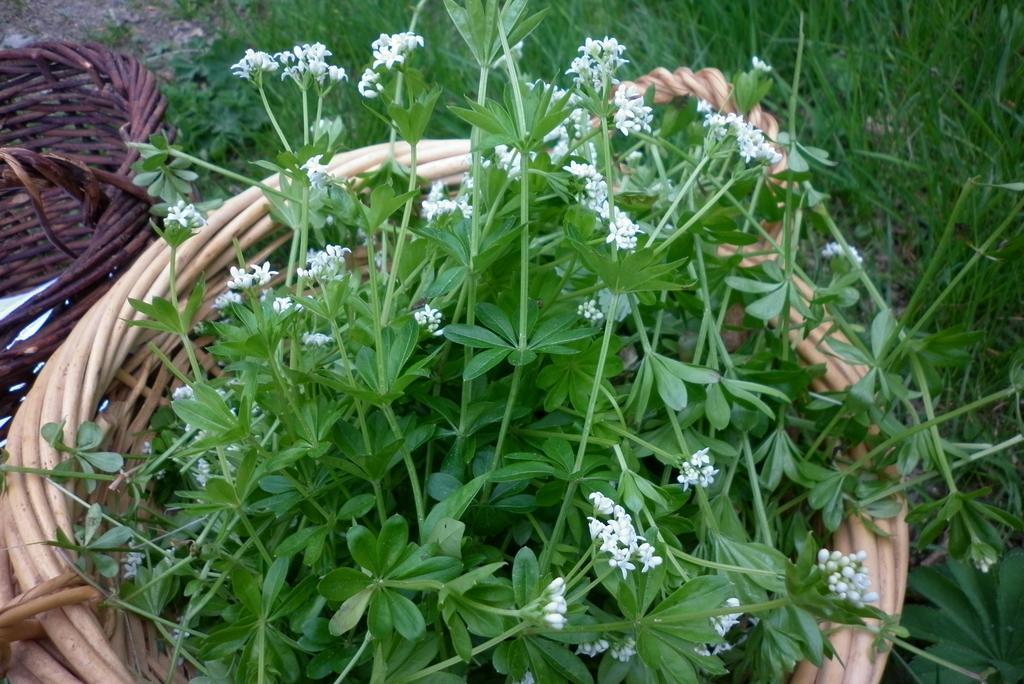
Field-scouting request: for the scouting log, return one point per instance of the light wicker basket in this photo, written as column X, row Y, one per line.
column 105, row 359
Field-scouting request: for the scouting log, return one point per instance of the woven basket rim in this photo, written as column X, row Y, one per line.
column 82, row 369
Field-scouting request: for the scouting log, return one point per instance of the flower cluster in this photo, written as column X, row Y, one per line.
column 325, row 265
column 555, row 606
column 315, row 339
column 749, row 139
column 597, row 63
column 697, row 471
column 307, row 64
column 389, row 50
column 242, row 280
column 760, row 65
column 631, row 115
column 723, row 623
column 622, row 230
column 438, row 203
column 592, row 649
column 201, row 472
column 507, row 159
column 182, row 393
column 429, row 318
column 253, row 65
column 185, row 216
column 590, row 311
column 848, row 578
column 316, row 172
column 283, row 305
column 226, row 299
column 624, row 650
column 619, row 538
column 369, row 85
column 131, row 563
column 834, row 249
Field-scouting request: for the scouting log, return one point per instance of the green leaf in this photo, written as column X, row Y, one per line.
column 393, row 538
column 363, row 547
column 483, row 362
column 525, row 576
column 453, row 507
column 474, row 336
column 717, row 408
column 405, row 616
column 342, row 583
column 107, row 461
column 769, row 306
column 350, row 612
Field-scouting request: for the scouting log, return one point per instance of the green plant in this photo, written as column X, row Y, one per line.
column 375, row 487
column 972, row 619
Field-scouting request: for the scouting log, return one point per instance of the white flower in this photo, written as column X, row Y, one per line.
column 201, row 472
column 336, row 74
column 723, row 623
column 131, row 563
column 147, row 447
column 848, row 578
column 624, row 650
column 183, row 392
column 697, row 471
column 527, row 678
column 438, row 204
column 590, row 311
column 622, row 232
column 307, row 64
column 834, row 249
column 760, row 65
column 283, row 305
column 186, row 216
column 429, row 318
column 645, row 552
column 507, row 159
column 592, row 648
column 260, row 276
column 369, row 84
column 750, row 140
column 555, row 607
column 619, row 537
column 315, row 339
column 602, row 504
column 317, row 173
column 226, row 299
column 326, row 264
column 632, row 114
column 389, row 50
column 597, row 63
column 253, row 64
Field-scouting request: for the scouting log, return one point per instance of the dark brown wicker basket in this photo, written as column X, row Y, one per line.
column 68, row 211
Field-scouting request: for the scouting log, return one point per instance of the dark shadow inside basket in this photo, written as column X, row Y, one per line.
column 79, row 106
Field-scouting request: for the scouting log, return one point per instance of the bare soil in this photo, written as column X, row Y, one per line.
column 138, row 26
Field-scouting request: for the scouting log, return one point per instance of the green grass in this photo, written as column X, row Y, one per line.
column 912, row 101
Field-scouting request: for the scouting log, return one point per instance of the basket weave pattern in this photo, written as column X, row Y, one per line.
column 68, row 210
column 106, row 359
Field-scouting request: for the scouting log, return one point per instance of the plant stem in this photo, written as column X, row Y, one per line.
column 273, row 119
column 396, row 261
column 570, row 492
column 455, row 660
column 355, row 659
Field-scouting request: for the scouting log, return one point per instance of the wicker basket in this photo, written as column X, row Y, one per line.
column 68, row 210
column 105, row 359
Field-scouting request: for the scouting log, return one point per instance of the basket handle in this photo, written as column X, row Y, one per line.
column 32, row 171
